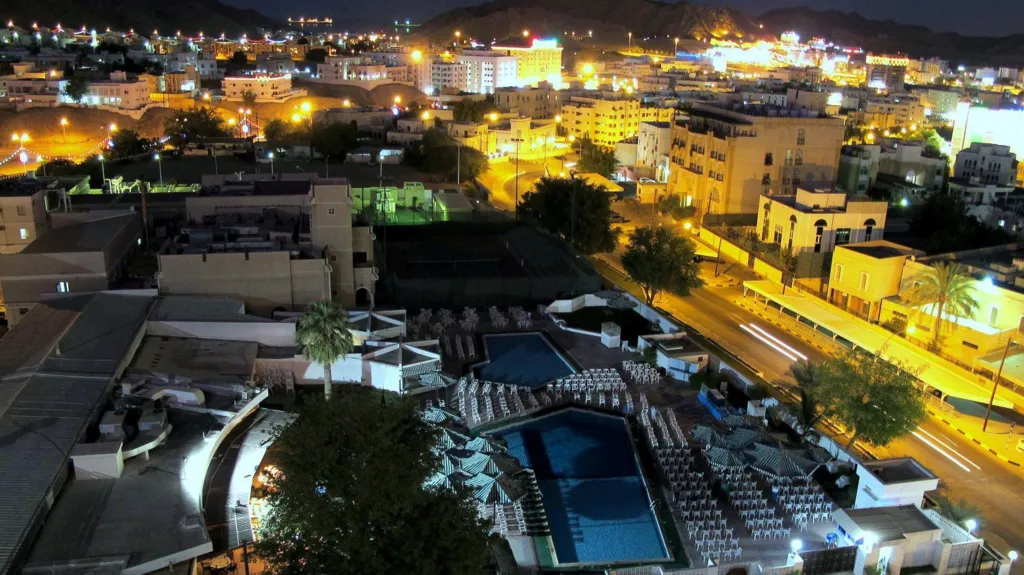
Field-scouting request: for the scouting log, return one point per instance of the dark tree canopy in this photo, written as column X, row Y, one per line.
column 657, row 260
column 127, row 143
column 588, row 227
column 76, row 87
column 473, row 110
column 944, row 223
column 595, row 159
column 350, row 495
column 239, row 58
column 194, row 125
column 333, row 139
column 439, row 153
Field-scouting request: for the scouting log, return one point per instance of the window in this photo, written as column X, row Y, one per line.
column 993, row 315
column 969, row 344
column 869, row 226
column 768, row 159
column 778, row 234
column 63, row 287
column 334, row 258
column 789, row 157
column 864, row 278
column 359, row 258
column 819, row 231
column 21, row 210
column 842, row 236
column 330, row 211
column 764, row 226
column 839, row 273
column 23, row 233
column 792, row 232
column 799, row 157
column 801, row 137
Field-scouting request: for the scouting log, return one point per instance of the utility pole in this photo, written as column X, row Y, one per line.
column 995, row 385
column 458, row 164
column 518, row 139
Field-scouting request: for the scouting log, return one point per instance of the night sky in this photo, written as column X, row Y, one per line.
column 977, row 17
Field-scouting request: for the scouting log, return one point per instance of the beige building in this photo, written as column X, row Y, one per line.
column 724, row 159
column 538, row 61
column 911, row 162
column 864, row 274
column 892, row 113
column 609, row 117
column 258, row 260
column 118, row 92
column 23, row 214
column 82, row 253
column 267, row 87
column 539, row 102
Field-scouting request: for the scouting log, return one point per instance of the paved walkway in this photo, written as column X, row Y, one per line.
column 933, row 370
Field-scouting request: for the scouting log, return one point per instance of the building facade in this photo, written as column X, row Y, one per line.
column 540, row 61
column 487, row 70
column 724, row 159
column 654, row 144
column 989, row 164
column 609, row 117
column 818, row 222
column 267, row 87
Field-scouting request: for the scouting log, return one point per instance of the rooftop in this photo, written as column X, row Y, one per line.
column 91, row 236
column 880, row 249
column 739, row 112
column 21, row 187
column 899, row 470
column 200, row 308
column 891, row 523
column 196, row 359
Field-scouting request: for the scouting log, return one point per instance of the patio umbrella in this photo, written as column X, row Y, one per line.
column 450, row 438
column 735, row 420
column 819, row 454
column 709, row 435
column 722, row 457
column 482, row 445
column 742, row 437
column 777, row 460
column 488, row 490
column 435, row 379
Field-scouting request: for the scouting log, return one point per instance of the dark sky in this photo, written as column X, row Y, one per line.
column 983, row 17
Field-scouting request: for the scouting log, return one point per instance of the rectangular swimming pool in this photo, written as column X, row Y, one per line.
column 526, row 359
column 594, row 494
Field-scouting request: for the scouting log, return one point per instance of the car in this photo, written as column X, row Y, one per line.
column 619, row 219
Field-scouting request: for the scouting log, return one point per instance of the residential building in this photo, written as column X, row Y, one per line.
column 864, row 274
column 539, row 61
column 979, row 194
column 540, row 102
column 609, row 117
column 937, row 100
column 267, row 87
column 724, row 158
column 376, row 120
column 973, row 123
column 487, row 70
column 84, row 252
column 33, row 88
column 986, row 164
column 858, row 168
column 886, row 72
column 654, row 144
column 811, row 224
column 355, row 70
column 529, row 138
column 892, row 113
column 445, row 74
column 118, row 92
column 912, row 162
column 23, row 213
column 336, row 238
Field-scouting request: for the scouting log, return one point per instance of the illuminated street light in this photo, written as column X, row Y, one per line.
column 296, row 118
column 526, row 33
column 425, row 115
column 494, row 116
column 306, row 107
column 271, row 156
column 398, row 100
column 971, row 525
column 346, row 103
column 416, row 55
column 159, row 167
column 1013, row 555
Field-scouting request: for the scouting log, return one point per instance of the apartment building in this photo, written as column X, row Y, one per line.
column 910, row 162
column 23, row 213
column 886, row 72
column 654, row 144
column 818, row 221
column 892, row 113
column 989, row 164
column 267, row 87
column 539, row 102
column 445, row 74
column 488, row 70
column 607, row 118
column 866, row 273
column 536, row 61
column 28, row 87
column 724, row 159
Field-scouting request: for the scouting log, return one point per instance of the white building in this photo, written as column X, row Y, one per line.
column 118, row 92
column 32, row 88
column 654, row 144
column 489, row 69
column 267, row 87
column 990, row 164
column 539, row 61
column 453, row 75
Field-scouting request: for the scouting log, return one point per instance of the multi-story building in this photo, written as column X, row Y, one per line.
column 487, row 70
column 267, row 87
column 445, row 74
column 886, row 72
column 654, row 144
column 539, row 102
column 866, row 273
column 34, row 88
column 346, row 69
column 937, row 100
column 893, row 112
column 810, row 224
column 910, row 162
column 986, row 164
column 724, row 158
column 539, row 61
column 118, row 92
column 606, row 118
column 341, row 243
column 23, row 214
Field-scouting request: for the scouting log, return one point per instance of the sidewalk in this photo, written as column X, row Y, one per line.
column 999, row 439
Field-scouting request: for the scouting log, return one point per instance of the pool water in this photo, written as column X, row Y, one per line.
column 595, row 497
column 525, row 359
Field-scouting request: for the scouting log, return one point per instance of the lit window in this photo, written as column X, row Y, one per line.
column 63, row 287
column 24, row 234
column 863, row 281
column 993, row 315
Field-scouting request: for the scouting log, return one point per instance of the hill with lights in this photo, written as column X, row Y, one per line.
column 189, row 16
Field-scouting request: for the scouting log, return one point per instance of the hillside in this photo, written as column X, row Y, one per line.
column 850, row 28
column 504, row 18
column 189, row 16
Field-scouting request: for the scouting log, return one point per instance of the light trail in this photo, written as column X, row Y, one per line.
column 780, row 342
column 950, row 447
column 941, row 452
column 768, row 342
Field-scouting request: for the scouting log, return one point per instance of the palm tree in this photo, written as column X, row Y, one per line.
column 787, row 263
column 323, row 332
column 947, row 287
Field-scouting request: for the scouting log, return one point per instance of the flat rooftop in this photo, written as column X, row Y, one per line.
column 91, row 236
column 202, row 359
column 899, row 470
column 881, row 249
column 891, row 523
column 21, row 187
column 186, row 308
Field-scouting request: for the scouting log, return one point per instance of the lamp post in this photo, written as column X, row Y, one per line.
column 64, row 133
column 630, row 41
column 908, row 330
column 103, row 173
column 995, row 385
column 159, row 167
column 458, row 163
column 271, row 156
column 676, row 48
column 517, row 140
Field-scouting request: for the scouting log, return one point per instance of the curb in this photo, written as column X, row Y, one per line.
column 784, row 328
column 971, row 437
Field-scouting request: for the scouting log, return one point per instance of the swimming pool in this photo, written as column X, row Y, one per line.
column 594, row 495
column 527, row 359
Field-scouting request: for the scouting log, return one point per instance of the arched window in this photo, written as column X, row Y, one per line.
column 819, row 232
column 765, row 222
column 869, row 226
column 799, row 157
column 801, row 137
column 792, row 232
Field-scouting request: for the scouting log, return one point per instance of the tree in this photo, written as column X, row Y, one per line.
column 127, row 143
column 658, row 260
column 958, row 511
column 333, row 139
column 194, row 125
column 349, row 495
column 787, row 264
column 946, row 288
column 944, row 221
column 76, row 88
column 249, row 99
column 673, row 205
column 753, row 243
column 276, row 129
column 316, row 56
column 808, row 377
column 876, row 401
column 575, row 210
column 323, row 332
column 439, row 153
column 239, row 59
column 595, row 159
column 473, row 110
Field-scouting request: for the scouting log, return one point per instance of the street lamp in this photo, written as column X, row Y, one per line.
column 103, row 172
column 23, row 158
column 159, row 167
column 676, row 49
column 271, row 156
column 971, row 525
column 493, row 116
column 995, row 383
column 1012, row 555
column 630, row 41
column 64, row 131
